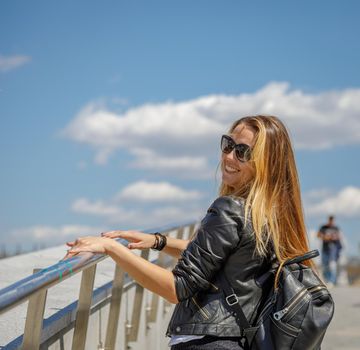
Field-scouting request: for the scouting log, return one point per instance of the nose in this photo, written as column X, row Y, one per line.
column 230, row 156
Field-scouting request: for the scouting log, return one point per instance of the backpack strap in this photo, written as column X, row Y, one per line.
column 298, row 259
column 247, row 332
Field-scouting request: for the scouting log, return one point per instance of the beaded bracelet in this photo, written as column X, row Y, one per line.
column 160, row 241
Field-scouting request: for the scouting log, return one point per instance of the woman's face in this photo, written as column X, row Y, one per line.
column 234, row 172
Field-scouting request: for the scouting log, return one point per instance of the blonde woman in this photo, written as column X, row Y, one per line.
column 257, row 216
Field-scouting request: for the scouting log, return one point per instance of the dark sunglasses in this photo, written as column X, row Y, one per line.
column 242, row 151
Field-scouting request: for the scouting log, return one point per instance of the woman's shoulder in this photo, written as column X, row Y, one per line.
column 228, row 203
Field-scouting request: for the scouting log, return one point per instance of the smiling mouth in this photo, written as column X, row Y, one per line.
column 229, row 169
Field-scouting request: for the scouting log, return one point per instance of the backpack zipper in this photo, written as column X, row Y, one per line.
column 316, row 288
column 205, row 314
column 281, row 313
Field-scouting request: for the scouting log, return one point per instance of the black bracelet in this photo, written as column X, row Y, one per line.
column 160, row 241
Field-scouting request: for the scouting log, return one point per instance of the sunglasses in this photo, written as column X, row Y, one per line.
column 242, row 151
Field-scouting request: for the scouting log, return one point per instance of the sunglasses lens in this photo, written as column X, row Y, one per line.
column 242, row 152
column 227, row 145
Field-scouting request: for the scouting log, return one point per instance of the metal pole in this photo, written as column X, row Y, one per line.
column 114, row 312
column 83, row 309
column 137, row 305
column 34, row 320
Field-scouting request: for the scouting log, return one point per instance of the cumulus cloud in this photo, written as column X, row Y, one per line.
column 145, row 203
column 196, row 167
column 50, row 234
column 143, row 191
column 345, row 202
column 184, row 135
column 140, row 217
column 8, row 63
column 105, row 209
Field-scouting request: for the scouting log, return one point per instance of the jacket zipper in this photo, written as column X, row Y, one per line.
column 281, row 313
column 205, row 314
column 213, row 285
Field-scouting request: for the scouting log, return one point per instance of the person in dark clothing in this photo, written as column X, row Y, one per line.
column 331, row 247
column 257, row 216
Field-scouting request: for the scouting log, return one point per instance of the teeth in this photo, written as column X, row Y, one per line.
column 230, row 169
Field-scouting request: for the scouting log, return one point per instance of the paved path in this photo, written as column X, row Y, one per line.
column 344, row 330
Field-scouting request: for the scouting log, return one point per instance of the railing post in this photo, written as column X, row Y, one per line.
column 180, row 232
column 34, row 320
column 133, row 328
column 191, row 231
column 152, row 311
column 83, row 308
column 114, row 310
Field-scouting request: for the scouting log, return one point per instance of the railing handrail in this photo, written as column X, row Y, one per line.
column 53, row 324
column 23, row 289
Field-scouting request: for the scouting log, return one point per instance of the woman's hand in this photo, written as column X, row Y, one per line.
column 93, row 244
column 138, row 239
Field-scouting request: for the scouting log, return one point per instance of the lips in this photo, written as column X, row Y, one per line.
column 231, row 170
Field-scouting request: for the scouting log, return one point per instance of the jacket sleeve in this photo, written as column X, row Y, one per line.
column 214, row 241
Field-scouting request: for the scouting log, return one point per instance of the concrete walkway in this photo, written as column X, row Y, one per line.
column 344, row 330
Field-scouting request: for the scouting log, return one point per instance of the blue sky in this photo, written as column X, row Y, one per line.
column 111, row 111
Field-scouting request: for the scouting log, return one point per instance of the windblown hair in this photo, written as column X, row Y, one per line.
column 273, row 195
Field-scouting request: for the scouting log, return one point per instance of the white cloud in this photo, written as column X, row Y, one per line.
column 8, row 63
column 184, row 135
column 139, row 218
column 52, row 234
column 143, row 191
column 156, row 204
column 111, row 212
column 175, row 215
column 196, row 167
column 345, row 202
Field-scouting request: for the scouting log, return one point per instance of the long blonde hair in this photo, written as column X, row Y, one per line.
column 273, row 195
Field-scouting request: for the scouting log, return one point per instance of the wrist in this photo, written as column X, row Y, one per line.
column 160, row 241
column 109, row 245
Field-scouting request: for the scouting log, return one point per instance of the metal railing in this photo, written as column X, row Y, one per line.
column 40, row 333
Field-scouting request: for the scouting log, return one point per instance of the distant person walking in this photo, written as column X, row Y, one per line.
column 331, row 247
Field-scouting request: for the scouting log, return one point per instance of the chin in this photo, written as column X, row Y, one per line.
column 227, row 180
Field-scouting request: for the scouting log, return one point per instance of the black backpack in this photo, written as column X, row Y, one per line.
column 293, row 314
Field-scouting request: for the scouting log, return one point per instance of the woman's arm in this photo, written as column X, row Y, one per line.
column 175, row 246
column 147, row 274
column 140, row 240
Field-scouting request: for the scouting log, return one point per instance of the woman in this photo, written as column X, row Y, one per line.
column 257, row 216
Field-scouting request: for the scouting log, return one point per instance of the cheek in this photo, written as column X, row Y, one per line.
column 249, row 172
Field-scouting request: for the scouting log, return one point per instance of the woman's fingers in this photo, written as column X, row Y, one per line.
column 69, row 254
column 138, row 240
column 147, row 241
column 138, row 245
column 112, row 234
column 128, row 235
column 92, row 244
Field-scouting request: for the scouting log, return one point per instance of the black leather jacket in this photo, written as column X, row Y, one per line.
column 223, row 245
